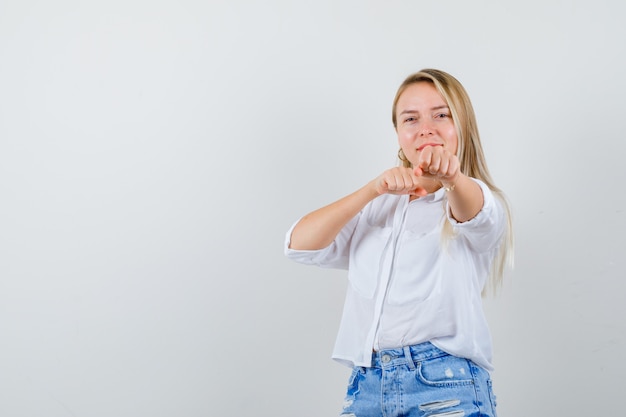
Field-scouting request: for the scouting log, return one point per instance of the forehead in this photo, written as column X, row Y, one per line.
column 420, row 94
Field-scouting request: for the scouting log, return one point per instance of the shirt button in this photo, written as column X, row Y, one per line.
column 386, row 358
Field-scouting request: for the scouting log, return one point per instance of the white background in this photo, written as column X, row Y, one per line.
column 154, row 153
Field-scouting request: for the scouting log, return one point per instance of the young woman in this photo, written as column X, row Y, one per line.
column 420, row 242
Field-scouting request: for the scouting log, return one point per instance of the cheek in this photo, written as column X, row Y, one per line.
column 403, row 139
column 453, row 142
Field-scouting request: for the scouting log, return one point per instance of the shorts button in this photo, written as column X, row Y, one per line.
column 386, row 358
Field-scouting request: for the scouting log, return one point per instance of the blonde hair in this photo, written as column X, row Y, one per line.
column 470, row 154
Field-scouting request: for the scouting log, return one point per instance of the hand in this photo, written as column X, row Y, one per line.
column 437, row 163
column 399, row 180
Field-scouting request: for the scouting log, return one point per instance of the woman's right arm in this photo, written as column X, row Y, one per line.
column 319, row 228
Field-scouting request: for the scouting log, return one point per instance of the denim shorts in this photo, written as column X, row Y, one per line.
column 419, row 380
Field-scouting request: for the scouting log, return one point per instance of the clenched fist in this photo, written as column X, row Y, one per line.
column 438, row 163
column 400, row 180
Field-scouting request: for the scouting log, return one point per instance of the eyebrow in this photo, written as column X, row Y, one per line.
column 432, row 109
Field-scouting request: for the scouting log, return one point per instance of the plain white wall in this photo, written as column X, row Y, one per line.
column 153, row 154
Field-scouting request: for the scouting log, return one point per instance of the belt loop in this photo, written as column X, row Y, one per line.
column 409, row 357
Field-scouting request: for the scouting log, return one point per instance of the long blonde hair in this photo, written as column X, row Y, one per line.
column 469, row 152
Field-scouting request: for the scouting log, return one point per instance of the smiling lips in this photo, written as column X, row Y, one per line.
column 428, row 144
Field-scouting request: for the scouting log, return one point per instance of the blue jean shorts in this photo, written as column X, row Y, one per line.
column 419, row 380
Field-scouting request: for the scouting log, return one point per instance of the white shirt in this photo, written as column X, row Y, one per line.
column 407, row 286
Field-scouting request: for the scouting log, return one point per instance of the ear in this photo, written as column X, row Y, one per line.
column 402, row 156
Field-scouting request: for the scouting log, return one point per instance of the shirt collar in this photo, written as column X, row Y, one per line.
column 432, row 197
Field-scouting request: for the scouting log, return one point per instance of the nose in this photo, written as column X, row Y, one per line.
column 425, row 129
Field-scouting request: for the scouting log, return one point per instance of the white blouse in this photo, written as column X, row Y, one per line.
column 407, row 285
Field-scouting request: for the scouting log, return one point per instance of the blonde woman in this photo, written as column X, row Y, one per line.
column 421, row 243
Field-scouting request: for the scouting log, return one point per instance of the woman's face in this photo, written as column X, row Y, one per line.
column 424, row 119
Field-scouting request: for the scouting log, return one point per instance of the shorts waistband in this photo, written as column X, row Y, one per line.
column 407, row 355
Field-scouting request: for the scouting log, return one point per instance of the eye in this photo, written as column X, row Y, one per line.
column 442, row 116
column 409, row 119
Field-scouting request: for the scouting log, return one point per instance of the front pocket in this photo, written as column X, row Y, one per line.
column 353, row 381
column 445, row 371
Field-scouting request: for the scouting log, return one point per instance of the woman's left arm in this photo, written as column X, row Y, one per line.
column 465, row 196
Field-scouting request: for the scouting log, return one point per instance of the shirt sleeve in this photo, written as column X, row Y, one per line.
column 484, row 232
column 335, row 255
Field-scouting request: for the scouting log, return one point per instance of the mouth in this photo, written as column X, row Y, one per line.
column 428, row 144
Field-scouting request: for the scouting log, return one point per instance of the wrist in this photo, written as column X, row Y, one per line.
column 449, row 187
column 450, row 184
column 373, row 189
